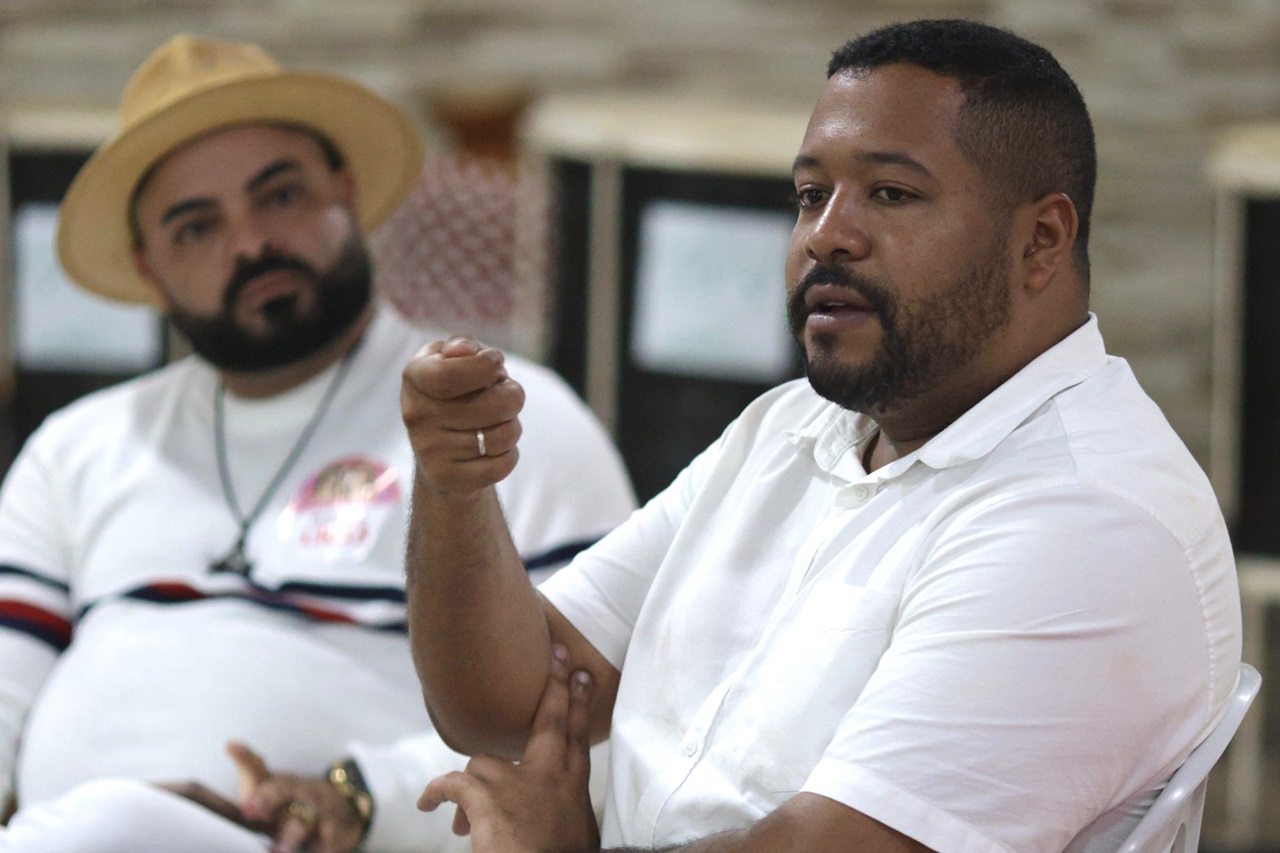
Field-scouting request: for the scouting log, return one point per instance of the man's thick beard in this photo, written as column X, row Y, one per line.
column 342, row 293
column 921, row 344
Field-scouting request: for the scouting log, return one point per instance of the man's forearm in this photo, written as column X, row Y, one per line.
column 480, row 640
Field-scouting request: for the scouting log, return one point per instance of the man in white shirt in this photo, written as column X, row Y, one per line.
column 214, row 551
column 962, row 590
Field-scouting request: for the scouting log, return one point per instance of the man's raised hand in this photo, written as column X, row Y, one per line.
column 460, row 408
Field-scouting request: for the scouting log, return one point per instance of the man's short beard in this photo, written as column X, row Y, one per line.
column 342, row 293
column 921, row 343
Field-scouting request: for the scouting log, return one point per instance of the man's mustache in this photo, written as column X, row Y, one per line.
column 876, row 294
column 247, row 271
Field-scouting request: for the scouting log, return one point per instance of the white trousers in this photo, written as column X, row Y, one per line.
column 124, row 816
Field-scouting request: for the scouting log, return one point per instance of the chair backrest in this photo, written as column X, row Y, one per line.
column 1172, row 824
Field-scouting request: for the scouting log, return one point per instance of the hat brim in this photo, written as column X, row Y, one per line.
column 381, row 146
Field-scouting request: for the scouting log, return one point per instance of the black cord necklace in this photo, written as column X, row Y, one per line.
column 236, row 561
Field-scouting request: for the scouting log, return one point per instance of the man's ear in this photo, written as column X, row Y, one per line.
column 1047, row 229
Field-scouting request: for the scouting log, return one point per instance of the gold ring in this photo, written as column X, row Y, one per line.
column 304, row 813
column 480, row 442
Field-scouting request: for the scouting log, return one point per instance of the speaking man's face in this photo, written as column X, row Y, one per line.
column 898, row 275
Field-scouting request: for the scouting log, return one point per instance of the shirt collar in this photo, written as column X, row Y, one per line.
column 976, row 433
column 832, row 432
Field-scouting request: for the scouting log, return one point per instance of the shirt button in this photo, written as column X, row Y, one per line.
column 690, row 749
column 862, row 492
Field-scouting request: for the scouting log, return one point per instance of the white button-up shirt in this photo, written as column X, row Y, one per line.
column 1019, row 629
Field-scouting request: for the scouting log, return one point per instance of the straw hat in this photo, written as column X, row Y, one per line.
column 190, row 87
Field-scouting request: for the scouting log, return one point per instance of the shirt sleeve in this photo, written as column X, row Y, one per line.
column 1010, row 688
column 35, row 604
column 604, row 589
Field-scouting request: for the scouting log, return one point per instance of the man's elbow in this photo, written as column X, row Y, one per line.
column 471, row 734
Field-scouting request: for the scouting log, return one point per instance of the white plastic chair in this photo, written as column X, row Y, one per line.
column 1172, row 824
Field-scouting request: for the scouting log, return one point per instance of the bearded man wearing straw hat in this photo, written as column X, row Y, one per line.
column 213, row 553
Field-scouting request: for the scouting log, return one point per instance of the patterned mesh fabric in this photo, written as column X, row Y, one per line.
column 467, row 251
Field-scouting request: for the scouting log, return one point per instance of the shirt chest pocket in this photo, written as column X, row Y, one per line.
column 805, row 675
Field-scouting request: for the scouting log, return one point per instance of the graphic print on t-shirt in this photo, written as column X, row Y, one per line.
column 340, row 509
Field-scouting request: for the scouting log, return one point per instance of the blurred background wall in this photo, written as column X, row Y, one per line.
column 1162, row 78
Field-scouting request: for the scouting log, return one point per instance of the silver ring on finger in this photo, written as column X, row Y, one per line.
column 480, row 442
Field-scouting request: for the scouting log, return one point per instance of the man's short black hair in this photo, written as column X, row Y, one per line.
column 1023, row 123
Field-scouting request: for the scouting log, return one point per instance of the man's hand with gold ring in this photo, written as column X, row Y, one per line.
column 299, row 812
column 304, row 814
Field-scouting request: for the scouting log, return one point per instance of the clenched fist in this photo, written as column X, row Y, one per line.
column 460, row 408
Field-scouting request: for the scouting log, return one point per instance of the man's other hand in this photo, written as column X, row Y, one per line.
column 300, row 813
column 541, row 803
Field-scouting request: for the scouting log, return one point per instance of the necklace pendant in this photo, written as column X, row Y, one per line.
column 235, row 562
